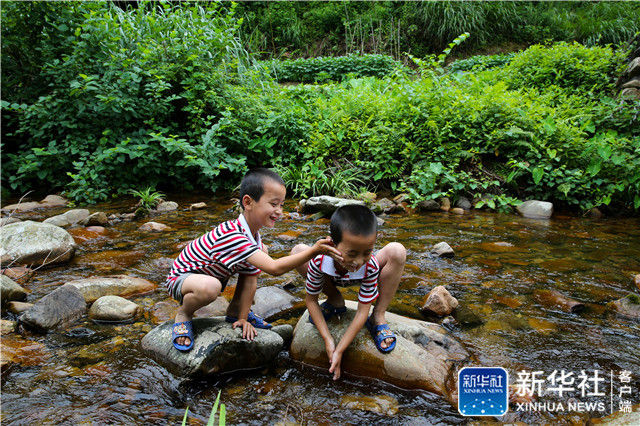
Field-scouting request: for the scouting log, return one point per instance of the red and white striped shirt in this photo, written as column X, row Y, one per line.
column 322, row 266
column 220, row 253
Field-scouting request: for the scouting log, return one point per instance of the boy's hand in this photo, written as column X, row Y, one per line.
column 248, row 331
column 326, row 246
column 330, row 347
column 335, row 364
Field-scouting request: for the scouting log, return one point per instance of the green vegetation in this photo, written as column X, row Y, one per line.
column 222, row 415
column 166, row 97
column 148, row 200
column 318, row 70
column 310, row 29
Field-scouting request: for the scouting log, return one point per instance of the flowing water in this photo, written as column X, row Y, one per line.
column 96, row 373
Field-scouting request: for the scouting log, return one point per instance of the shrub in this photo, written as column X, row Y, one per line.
column 333, row 68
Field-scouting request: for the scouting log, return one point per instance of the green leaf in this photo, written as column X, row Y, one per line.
column 537, row 174
column 594, row 167
column 636, row 202
column 184, row 419
column 213, row 410
column 223, row 415
column 564, row 188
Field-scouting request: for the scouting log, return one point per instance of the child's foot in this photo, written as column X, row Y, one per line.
column 382, row 335
column 328, row 310
column 182, row 333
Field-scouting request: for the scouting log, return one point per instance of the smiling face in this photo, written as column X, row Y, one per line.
column 268, row 209
column 356, row 250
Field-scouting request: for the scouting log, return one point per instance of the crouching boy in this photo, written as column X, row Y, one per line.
column 353, row 231
column 203, row 268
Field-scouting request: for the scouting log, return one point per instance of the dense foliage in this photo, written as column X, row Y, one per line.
column 314, row 70
column 312, row 29
column 166, row 97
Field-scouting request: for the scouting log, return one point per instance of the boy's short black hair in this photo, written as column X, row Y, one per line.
column 355, row 219
column 253, row 183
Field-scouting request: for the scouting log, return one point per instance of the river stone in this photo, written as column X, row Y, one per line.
column 35, row 243
column 628, row 306
column 428, row 206
column 630, row 93
column 95, row 219
column 634, row 68
column 218, row 348
column 439, row 301
column 7, row 327
column 58, row 308
column 273, row 302
column 620, row 418
column 8, row 220
column 167, row 206
column 68, row 218
column 442, row 250
column 457, row 210
column 463, row 203
column 11, row 290
column 94, row 288
column 381, row 404
column 18, row 307
column 326, row 204
column 425, row 357
column 637, row 280
column 113, row 308
column 214, row 309
column 54, row 201
column 198, row 206
column 19, row 274
column 445, row 204
column 535, row 209
column 632, row 83
column 22, row 207
column 154, row 227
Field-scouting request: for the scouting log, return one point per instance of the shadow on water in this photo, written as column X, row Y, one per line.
column 96, row 372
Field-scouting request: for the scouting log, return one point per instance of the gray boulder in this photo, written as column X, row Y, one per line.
column 442, row 250
column 326, row 204
column 11, row 290
column 463, row 203
column 428, row 206
column 35, row 243
column 273, row 302
column 628, row 307
column 439, row 301
column 68, row 218
column 113, row 309
column 218, row 348
column 425, row 357
column 8, row 220
column 167, row 206
column 116, row 285
column 95, row 219
column 58, row 308
column 534, row 209
column 384, row 205
column 54, row 201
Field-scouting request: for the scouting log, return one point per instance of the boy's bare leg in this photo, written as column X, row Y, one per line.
column 391, row 258
column 198, row 290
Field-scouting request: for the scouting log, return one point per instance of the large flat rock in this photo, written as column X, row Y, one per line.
column 34, row 243
column 58, row 308
column 426, row 356
column 218, row 348
column 94, row 288
column 326, row 204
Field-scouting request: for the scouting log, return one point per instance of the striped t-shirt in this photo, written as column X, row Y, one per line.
column 367, row 276
column 219, row 253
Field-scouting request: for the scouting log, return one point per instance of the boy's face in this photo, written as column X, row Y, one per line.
column 268, row 209
column 356, row 250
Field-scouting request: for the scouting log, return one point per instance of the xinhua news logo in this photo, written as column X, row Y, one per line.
column 483, row 391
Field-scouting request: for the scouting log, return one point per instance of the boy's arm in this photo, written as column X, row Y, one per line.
column 315, row 313
column 356, row 325
column 250, row 282
column 271, row 266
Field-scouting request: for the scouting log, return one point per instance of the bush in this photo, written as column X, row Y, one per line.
column 333, row 68
column 481, row 62
column 569, row 66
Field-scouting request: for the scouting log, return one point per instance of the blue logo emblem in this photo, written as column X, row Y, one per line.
column 483, row 391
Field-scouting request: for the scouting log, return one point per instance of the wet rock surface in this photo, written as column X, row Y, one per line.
column 113, row 309
column 442, row 250
column 33, row 243
column 439, row 301
column 58, row 308
column 273, row 302
column 325, row 204
column 535, row 209
column 218, row 348
column 422, row 359
column 11, row 290
column 68, row 218
column 117, row 285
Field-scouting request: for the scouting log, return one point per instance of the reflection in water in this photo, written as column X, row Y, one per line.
column 96, row 373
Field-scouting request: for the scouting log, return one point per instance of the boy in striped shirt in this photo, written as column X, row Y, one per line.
column 201, row 271
column 353, row 231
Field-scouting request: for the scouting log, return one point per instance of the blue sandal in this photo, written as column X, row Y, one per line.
column 380, row 333
column 328, row 310
column 253, row 319
column 182, row 329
